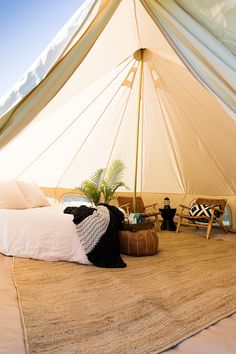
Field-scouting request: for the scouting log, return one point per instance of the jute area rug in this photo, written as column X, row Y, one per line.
column 153, row 304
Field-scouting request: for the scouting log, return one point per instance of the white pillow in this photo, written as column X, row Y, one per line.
column 11, row 196
column 33, row 194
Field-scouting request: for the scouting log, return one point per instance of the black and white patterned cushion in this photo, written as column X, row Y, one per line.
column 203, row 210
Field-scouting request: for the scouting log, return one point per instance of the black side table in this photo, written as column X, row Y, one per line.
column 168, row 216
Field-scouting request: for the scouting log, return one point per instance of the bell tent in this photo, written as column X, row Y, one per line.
column 149, row 82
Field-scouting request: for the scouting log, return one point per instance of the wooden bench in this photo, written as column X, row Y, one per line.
column 147, row 211
column 216, row 210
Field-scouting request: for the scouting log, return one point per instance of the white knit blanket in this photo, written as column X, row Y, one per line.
column 91, row 229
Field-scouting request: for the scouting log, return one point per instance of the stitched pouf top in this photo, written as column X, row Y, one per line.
column 139, row 243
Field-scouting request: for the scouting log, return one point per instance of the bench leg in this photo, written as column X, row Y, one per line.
column 157, row 222
column 209, row 228
column 223, row 227
column 178, row 224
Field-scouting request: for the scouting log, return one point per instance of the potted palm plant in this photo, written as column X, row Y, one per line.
column 103, row 183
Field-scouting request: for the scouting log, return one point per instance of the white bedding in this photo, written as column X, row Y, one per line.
column 44, row 233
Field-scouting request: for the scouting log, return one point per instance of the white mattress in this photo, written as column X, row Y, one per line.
column 44, row 233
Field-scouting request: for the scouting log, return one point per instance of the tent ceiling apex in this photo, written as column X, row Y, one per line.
column 146, row 54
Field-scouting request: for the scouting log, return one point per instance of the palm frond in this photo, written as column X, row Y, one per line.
column 114, row 173
column 91, row 188
column 97, row 177
column 103, row 184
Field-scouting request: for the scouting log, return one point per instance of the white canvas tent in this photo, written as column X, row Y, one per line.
column 159, row 75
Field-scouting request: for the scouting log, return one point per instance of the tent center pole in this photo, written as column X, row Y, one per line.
column 138, row 127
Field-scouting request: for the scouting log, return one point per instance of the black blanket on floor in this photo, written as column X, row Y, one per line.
column 106, row 252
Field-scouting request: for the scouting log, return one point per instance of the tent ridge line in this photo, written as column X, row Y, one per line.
column 91, row 130
column 183, row 186
column 121, row 120
column 71, row 124
column 136, row 22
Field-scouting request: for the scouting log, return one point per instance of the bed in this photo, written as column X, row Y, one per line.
column 44, row 233
column 32, row 228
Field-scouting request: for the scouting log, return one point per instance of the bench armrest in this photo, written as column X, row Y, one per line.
column 150, row 205
column 126, row 207
column 184, row 207
column 216, row 208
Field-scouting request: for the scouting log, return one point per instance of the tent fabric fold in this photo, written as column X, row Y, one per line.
column 20, row 115
column 204, row 55
column 52, row 53
column 82, row 112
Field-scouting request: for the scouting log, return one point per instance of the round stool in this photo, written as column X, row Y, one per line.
column 139, row 243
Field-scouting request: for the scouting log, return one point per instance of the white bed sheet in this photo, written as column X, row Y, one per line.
column 44, row 233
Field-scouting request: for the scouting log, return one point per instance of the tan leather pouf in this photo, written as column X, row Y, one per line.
column 139, row 243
